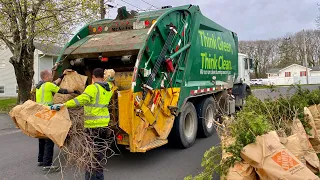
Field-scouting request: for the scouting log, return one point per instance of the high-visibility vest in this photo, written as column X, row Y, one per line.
column 95, row 100
column 44, row 93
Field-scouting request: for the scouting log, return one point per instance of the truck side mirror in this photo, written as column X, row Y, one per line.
column 251, row 64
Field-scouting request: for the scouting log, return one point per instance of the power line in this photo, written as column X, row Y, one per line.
column 116, row 5
column 149, row 4
column 132, row 5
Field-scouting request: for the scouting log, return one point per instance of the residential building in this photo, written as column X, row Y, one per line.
column 294, row 70
column 294, row 74
column 315, row 71
column 44, row 58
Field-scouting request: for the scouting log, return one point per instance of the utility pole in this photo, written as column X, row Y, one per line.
column 102, row 10
column 305, row 55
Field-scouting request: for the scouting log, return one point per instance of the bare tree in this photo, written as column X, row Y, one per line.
column 24, row 21
column 282, row 52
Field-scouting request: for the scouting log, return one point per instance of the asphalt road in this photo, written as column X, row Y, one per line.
column 18, row 156
column 267, row 93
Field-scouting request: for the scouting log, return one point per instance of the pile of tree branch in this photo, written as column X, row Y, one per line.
column 79, row 151
column 256, row 119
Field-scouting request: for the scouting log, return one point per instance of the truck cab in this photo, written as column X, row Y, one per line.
column 241, row 87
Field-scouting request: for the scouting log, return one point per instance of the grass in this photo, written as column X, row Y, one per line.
column 6, row 104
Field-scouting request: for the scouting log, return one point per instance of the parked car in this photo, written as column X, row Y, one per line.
column 256, row 82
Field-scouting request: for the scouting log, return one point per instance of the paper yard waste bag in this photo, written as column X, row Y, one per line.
column 109, row 75
column 72, row 80
column 241, row 170
column 20, row 122
column 308, row 115
column 292, row 143
column 314, row 119
column 302, row 142
column 273, row 161
column 38, row 121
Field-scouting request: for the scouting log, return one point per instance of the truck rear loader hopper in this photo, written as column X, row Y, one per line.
column 174, row 68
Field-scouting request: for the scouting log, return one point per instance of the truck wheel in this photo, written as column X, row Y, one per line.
column 206, row 111
column 184, row 131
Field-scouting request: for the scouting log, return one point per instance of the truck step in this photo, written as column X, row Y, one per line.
column 181, row 68
column 179, row 81
column 154, row 144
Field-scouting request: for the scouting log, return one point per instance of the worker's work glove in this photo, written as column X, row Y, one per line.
column 76, row 92
column 56, row 107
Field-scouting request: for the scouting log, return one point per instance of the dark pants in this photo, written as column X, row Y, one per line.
column 45, row 151
column 98, row 136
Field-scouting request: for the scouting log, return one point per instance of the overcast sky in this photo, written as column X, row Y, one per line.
column 250, row 19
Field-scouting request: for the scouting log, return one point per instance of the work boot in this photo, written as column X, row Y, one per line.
column 51, row 168
column 40, row 164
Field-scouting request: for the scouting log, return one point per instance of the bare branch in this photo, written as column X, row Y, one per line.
column 34, row 13
column 44, row 18
column 8, row 43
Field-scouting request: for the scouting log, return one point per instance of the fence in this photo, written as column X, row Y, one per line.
column 292, row 80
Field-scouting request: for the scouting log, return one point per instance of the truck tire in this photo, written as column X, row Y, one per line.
column 206, row 113
column 184, row 131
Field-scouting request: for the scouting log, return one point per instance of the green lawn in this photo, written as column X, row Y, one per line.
column 6, row 104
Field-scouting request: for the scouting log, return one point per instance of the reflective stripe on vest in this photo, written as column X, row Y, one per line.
column 42, row 96
column 77, row 102
column 96, row 117
column 97, row 99
column 102, row 118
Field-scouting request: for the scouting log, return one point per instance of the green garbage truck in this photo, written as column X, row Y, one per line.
column 176, row 72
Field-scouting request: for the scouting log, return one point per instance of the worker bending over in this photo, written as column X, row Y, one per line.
column 44, row 95
column 95, row 99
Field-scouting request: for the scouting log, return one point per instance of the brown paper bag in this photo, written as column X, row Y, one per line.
column 308, row 115
column 297, row 128
column 314, row 119
column 241, row 170
column 309, row 153
column 38, row 121
column 273, row 161
column 20, row 123
column 306, row 155
column 109, row 75
column 294, row 146
column 72, row 80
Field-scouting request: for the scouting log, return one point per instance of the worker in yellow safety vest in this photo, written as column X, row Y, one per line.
column 44, row 95
column 95, row 99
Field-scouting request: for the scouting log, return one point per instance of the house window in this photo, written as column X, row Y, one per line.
column 2, row 63
column 287, row 74
column 17, row 89
column 303, row 73
column 1, row 89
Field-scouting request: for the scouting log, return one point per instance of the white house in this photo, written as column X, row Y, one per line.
column 44, row 58
column 294, row 74
column 315, row 71
column 294, row 70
